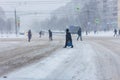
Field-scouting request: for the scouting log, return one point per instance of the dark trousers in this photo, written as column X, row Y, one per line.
column 79, row 37
column 66, row 44
column 29, row 38
column 50, row 38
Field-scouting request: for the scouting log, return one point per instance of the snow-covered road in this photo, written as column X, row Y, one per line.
column 16, row 53
column 88, row 60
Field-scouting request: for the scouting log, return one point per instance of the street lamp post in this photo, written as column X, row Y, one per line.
column 78, row 11
column 88, row 20
column 16, row 18
column 15, row 22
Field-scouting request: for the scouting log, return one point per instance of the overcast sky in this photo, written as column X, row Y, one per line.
column 44, row 7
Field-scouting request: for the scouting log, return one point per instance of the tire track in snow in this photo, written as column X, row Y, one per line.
column 107, row 63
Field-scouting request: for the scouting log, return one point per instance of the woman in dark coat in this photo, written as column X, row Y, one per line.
column 50, row 35
column 68, row 39
column 29, row 35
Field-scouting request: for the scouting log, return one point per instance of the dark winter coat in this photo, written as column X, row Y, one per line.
column 29, row 34
column 115, row 31
column 79, row 32
column 68, row 37
column 50, row 33
column 68, row 41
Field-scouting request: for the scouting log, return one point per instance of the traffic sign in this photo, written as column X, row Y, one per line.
column 97, row 21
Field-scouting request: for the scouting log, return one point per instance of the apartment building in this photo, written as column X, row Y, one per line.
column 110, row 13
column 119, row 14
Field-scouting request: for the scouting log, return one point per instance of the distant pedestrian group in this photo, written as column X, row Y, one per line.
column 68, row 40
column 116, row 32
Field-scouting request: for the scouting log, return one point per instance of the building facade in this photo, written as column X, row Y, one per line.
column 119, row 14
column 110, row 13
column 104, row 11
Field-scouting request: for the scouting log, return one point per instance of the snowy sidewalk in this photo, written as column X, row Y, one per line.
column 83, row 62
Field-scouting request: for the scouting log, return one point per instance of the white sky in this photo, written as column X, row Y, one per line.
column 31, row 6
column 28, row 6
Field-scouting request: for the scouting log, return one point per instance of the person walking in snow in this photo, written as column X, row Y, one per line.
column 29, row 35
column 68, row 41
column 40, row 33
column 115, row 32
column 119, row 32
column 50, row 35
column 79, row 34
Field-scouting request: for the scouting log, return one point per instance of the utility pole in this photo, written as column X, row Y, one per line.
column 88, row 18
column 15, row 22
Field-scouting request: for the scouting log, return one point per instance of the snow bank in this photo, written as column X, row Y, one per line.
column 11, row 36
column 100, row 34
